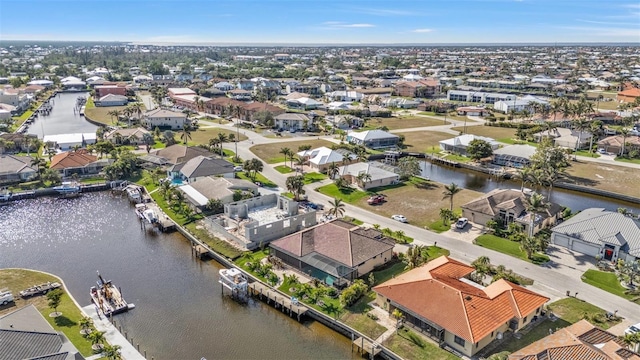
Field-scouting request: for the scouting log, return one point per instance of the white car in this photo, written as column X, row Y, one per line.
column 602, row 151
column 400, row 218
column 238, row 168
column 633, row 329
column 461, row 223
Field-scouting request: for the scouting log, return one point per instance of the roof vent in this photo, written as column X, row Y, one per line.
column 468, row 298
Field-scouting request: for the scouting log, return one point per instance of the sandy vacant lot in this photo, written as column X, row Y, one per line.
column 202, row 135
column 394, row 123
column 618, row 179
column 271, row 152
column 489, row 131
column 423, row 141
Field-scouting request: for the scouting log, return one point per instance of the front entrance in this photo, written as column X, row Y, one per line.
column 608, row 252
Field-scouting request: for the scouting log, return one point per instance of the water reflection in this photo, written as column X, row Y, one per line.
column 62, row 119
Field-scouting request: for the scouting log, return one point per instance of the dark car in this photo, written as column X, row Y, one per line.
column 376, row 199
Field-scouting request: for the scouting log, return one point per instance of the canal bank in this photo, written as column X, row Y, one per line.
column 62, row 119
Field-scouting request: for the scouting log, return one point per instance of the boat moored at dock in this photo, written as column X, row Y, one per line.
column 108, row 299
column 234, row 280
column 68, row 187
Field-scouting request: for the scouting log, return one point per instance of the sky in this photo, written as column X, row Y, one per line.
column 322, row 21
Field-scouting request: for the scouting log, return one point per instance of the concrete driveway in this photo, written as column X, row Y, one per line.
column 470, row 232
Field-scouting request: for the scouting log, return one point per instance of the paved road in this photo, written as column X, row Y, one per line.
column 148, row 102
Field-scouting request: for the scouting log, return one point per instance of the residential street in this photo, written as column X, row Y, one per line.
column 562, row 274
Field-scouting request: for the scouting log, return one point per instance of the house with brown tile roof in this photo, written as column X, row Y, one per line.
column 580, row 341
column 439, row 300
column 176, row 153
column 628, row 95
column 507, row 206
column 77, row 162
column 334, row 251
column 421, row 88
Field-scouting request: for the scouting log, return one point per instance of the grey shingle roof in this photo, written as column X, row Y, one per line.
column 598, row 226
column 204, row 166
column 18, row 345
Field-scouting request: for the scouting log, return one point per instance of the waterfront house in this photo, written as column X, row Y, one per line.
column 320, row 158
column 20, row 142
column 597, row 232
column 379, row 176
column 440, row 301
column 162, row 118
column 507, row 206
column 335, row 252
column 128, row 136
column 16, row 168
column 199, row 167
column 77, row 162
column 105, row 90
column 112, row 100
column 515, row 156
column 473, row 111
column 69, row 141
column 613, row 144
column 374, row 139
column 176, row 153
column 211, row 187
column 566, row 138
column 459, row 144
column 581, row 340
column 26, row 334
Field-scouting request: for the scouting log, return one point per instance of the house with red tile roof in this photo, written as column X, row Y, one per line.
column 628, row 95
column 425, row 88
column 439, row 300
column 580, row 341
column 335, row 252
column 77, row 162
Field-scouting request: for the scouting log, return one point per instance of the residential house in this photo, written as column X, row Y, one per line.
column 478, row 96
column 628, row 95
column 321, row 158
column 378, row 175
column 473, row 111
column 112, row 100
column 16, row 168
column 249, row 110
column 335, row 252
column 70, row 141
column 72, row 83
column 246, row 85
column 421, row 88
column 311, row 89
column 304, row 103
column 26, row 334
column 221, row 105
column 293, row 122
column 349, row 96
column 21, row 142
column 224, row 86
column 344, row 122
column 176, row 154
column 515, row 156
column 179, row 91
column 199, row 167
column 374, row 139
column 188, row 101
column 128, row 136
column 240, row 94
column 77, row 162
column 459, row 144
column 613, row 144
column 105, row 90
column 581, row 340
column 10, row 96
column 401, row 103
column 440, row 301
column 566, row 138
column 508, row 206
column 211, row 187
column 183, row 77
column 597, row 232
column 162, row 118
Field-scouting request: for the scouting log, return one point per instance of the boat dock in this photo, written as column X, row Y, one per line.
column 279, row 300
column 113, row 336
column 365, row 346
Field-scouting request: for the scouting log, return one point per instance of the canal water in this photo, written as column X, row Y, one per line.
column 481, row 182
column 180, row 312
column 62, row 119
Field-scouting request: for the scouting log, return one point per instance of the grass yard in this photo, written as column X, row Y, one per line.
column 250, row 257
column 403, row 122
column 313, row 177
column 508, row 247
column 587, row 153
column 349, row 195
column 68, row 323
column 259, row 178
column 573, row 310
column 493, row 132
column 217, row 245
column 203, row 135
column 99, row 114
column 618, row 179
column 356, row 317
column 625, row 160
column 439, row 227
column 423, row 141
column 282, row 169
column 178, row 218
column 606, row 281
column 270, row 153
column 409, row 345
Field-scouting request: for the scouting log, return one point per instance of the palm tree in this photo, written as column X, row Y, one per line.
column 97, row 338
column 534, row 205
column 524, row 175
column 333, row 170
column 450, row 191
column 363, row 178
column 85, row 325
column 114, row 114
column 624, row 132
column 222, row 137
column 112, row 352
column 295, row 184
column 555, row 107
column 580, row 125
column 529, row 245
column 337, row 208
column 185, row 136
column 285, row 151
column 40, row 165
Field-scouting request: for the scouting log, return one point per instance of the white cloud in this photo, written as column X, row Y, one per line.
column 632, row 6
column 343, row 25
column 422, row 30
column 386, row 12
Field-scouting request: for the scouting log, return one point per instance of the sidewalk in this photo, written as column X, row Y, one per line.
column 112, row 335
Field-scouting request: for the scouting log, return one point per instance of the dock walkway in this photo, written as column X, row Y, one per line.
column 279, row 300
column 112, row 335
column 365, row 346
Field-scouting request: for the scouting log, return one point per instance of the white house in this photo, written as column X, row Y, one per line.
column 112, row 100
column 292, row 121
column 68, row 141
column 347, row 95
column 566, row 138
column 519, row 104
column 164, row 118
column 320, row 158
column 378, row 176
column 460, row 143
column 304, row 103
column 373, row 139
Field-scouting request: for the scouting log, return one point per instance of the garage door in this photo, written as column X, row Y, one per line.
column 561, row 240
column 585, row 248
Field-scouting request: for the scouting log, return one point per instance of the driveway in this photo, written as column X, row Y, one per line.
column 470, row 232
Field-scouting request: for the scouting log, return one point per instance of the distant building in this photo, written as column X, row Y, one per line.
column 69, row 141
column 164, row 119
column 515, row 156
column 128, row 136
column 628, row 95
column 200, row 167
column 104, row 90
column 420, row 88
column 374, row 139
column 478, row 96
column 112, row 100
column 459, row 144
column 378, row 175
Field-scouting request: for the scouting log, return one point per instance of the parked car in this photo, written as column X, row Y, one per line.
column 376, row 199
column 5, row 296
column 400, row 218
column 461, row 223
column 238, row 168
column 633, row 329
column 602, row 151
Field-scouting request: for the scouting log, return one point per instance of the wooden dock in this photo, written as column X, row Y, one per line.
column 279, row 300
column 365, row 346
column 201, row 252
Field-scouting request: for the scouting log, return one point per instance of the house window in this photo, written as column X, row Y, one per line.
column 492, row 333
column 459, row 341
column 524, row 320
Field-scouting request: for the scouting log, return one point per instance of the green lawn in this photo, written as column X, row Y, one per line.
column 508, row 247
column 259, row 178
column 356, row 317
column 68, row 323
column 349, row 195
column 270, row 153
column 586, row 153
column 457, row 158
column 606, row 281
column 250, row 257
column 626, row 160
column 220, row 246
column 439, row 227
column 409, row 345
column 310, row 178
column 573, row 310
column 203, row 135
column 282, row 169
column 178, row 218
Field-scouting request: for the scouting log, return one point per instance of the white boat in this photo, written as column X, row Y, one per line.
column 68, row 187
column 233, row 279
column 150, row 216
